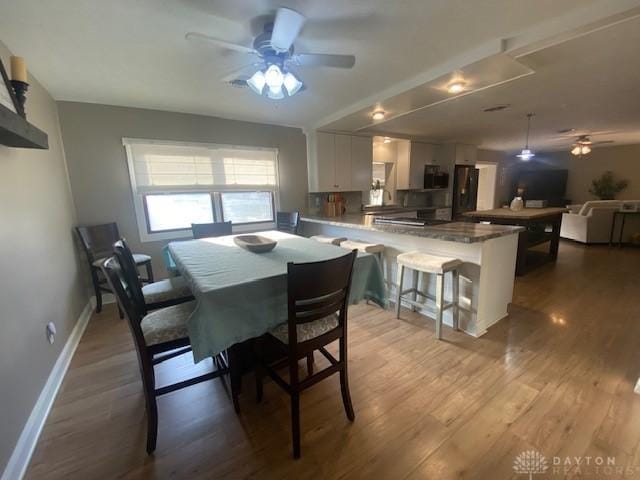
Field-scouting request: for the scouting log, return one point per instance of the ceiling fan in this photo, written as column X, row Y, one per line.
column 583, row 144
column 275, row 57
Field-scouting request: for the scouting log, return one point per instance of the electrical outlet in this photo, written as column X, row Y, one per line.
column 51, row 332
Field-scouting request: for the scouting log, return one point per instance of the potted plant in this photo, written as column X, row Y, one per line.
column 606, row 187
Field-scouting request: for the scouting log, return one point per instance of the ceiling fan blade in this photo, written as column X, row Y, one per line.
column 602, row 142
column 236, row 72
column 323, row 60
column 220, row 43
column 286, row 28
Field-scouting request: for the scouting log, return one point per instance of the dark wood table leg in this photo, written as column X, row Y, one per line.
column 555, row 239
column 235, row 374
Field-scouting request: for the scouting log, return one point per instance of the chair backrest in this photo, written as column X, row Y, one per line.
column 217, row 229
column 317, row 290
column 587, row 207
column 125, row 259
column 113, row 271
column 288, row 222
column 97, row 240
column 120, row 283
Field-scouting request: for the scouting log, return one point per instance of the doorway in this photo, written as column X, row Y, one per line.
column 487, row 185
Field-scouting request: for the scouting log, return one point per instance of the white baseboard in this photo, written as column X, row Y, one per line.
column 21, row 456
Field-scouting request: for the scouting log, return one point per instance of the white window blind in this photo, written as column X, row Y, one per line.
column 158, row 167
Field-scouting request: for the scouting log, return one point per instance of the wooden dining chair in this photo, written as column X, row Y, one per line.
column 288, row 222
column 164, row 293
column 97, row 242
column 318, row 298
column 158, row 336
column 206, row 230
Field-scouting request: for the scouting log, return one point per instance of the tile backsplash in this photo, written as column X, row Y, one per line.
column 352, row 201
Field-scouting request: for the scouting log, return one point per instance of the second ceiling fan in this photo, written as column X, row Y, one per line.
column 275, row 57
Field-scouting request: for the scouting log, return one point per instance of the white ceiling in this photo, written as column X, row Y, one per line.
column 589, row 83
column 133, row 53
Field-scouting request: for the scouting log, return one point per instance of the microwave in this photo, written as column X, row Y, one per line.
column 434, row 178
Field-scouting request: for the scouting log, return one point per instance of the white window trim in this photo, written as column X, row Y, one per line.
column 137, row 197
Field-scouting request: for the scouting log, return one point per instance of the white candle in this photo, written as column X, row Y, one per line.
column 18, row 69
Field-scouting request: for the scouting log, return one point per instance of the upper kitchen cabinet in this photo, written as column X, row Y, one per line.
column 338, row 163
column 457, row 154
column 361, row 163
column 412, row 157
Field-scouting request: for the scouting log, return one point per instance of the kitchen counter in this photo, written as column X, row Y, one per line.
column 452, row 232
column 487, row 252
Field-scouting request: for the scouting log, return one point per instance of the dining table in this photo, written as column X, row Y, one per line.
column 241, row 295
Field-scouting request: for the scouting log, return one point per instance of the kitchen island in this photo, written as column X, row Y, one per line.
column 541, row 225
column 488, row 253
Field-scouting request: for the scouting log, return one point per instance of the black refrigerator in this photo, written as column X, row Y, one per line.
column 465, row 190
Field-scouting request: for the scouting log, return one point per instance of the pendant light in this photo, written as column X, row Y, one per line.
column 526, row 154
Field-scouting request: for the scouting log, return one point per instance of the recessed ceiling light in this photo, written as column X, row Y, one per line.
column 386, row 140
column 456, row 87
column 378, row 115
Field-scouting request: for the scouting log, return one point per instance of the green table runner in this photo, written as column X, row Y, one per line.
column 241, row 295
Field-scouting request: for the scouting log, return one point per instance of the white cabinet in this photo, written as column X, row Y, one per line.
column 361, row 163
column 339, row 163
column 343, row 162
column 412, row 157
column 458, row 154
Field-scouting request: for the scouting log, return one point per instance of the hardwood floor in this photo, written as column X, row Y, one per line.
column 557, row 376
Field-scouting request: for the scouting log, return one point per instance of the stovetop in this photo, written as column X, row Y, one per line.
column 411, row 221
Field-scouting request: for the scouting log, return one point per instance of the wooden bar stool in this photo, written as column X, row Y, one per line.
column 327, row 239
column 435, row 265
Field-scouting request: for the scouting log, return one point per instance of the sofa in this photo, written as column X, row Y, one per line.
column 591, row 221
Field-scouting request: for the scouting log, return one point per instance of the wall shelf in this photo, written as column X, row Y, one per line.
column 15, row 131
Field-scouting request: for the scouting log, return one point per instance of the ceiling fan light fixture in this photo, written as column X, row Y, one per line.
column 378, row 115
column 580, row 149
column 576, row 150
column 273, row 77
column 257, row 82
column 291, row 84
column 275, row 93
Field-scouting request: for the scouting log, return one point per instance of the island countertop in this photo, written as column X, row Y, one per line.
column 461, row 232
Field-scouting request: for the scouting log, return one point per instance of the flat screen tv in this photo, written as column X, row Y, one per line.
column 549, row 185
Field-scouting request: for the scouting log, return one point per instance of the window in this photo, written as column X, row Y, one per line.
column 176, row 184
column 177, row 211
column 247, row 207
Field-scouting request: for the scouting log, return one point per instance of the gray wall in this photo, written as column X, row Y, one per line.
column 98, row 164
column 623, row 161
column 40, row 279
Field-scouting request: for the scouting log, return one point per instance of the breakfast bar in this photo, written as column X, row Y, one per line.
column 488, row 255
column 541, row 225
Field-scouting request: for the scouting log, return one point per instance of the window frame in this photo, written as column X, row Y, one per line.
column 139, row 203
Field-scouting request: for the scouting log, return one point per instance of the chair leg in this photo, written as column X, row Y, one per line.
column 455, row 294
column 344, row 382
column 120, row 312
column 439, row 294
column 416, row 279
column 295, row 404
column 258, row 368
column 310, row 361
column 399, row 292
column 97, row 290
column 149, row 269
column 148, row 377
column 295, row 423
